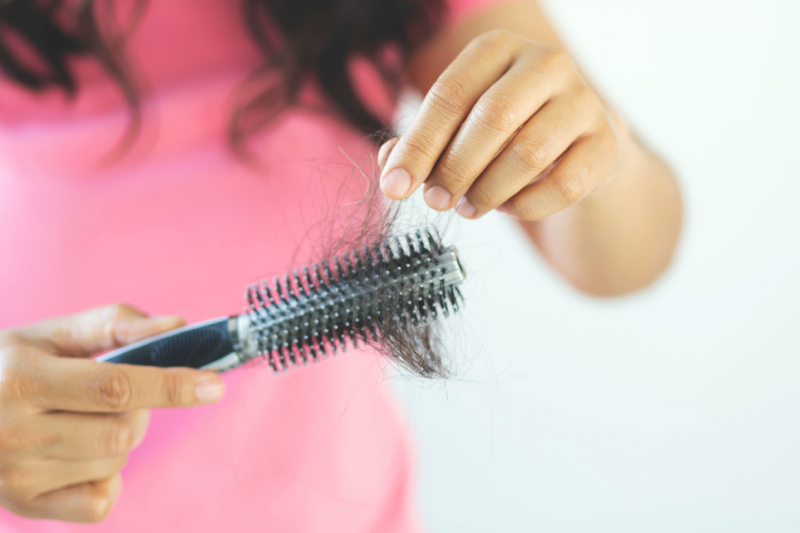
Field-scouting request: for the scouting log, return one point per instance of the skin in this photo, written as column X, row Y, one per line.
column 508, row 124
column 68, row 423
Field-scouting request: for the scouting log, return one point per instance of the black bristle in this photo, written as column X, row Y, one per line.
column 299, row 289
column 369, row 296
column 326, row 270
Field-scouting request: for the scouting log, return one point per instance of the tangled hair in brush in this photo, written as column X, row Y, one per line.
column 417, row 348
column 420, row 351
column 415, row 345
column 381, row 295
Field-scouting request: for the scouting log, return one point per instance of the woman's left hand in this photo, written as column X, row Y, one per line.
column 509, row 125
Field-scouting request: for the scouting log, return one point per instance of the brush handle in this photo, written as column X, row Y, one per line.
column 196, row 346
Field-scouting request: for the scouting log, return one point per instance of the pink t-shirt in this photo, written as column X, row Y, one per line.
column 180, row 226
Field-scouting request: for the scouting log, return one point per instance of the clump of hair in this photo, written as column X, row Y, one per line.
column 414, row 345
column 417, row 348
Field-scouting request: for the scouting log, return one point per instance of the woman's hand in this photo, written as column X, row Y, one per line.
column 67, row 422
column 509, row 125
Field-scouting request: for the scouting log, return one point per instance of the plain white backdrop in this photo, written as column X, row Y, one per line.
column 678, row 408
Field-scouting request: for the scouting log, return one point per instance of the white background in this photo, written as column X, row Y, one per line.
column 676, row 409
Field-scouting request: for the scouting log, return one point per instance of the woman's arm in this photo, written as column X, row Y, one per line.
column 601, row 207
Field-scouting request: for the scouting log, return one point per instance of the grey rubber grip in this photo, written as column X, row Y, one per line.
column 193, row 346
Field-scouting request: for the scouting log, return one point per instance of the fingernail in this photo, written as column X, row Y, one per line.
column 386, row 149
column 437, row 197
column 397, row 182
column 465, row 208
column 208, row 391
column 504, row 209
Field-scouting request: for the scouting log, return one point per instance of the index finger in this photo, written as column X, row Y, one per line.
column 85, row 385
column 444, row 108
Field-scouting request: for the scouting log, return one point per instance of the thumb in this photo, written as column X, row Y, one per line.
column 386, row 150
column 96, row 330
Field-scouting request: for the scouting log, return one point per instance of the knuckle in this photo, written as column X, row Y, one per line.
column 98, row 507
column 587, row 107
column 418, row 147
column 12, row 357
column 173, row 389
column 450, row 96
column 484, row 197
column 113, row 390
column 555, row 57
column 116, row 463
column 119, row 310
column 573, row 186
column 109, row 319
column 15, row 438
column 585, row 97
column 455, row 172
column 115, row 310
column 15, row 386
column 605, row 133
column 14, row 479
column 139, row 421
column 494, row 37
column 531, row 154
column 524, row 208
column 117, row 439
column 496, row 113
column 7, row 337
column 9, row 439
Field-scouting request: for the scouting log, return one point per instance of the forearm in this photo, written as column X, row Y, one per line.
column 622, row 236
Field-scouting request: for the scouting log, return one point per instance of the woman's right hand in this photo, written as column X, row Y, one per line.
column 67, row 422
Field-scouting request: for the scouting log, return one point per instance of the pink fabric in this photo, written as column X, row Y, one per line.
column 180, row 226
column 458, row 10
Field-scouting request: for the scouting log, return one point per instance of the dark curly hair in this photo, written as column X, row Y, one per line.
column 300, row 39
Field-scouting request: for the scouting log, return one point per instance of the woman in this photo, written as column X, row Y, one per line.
column 176, row 223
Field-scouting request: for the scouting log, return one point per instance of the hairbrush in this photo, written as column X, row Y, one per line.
column 319, row 309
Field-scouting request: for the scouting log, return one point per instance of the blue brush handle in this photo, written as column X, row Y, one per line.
column 194, row 346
